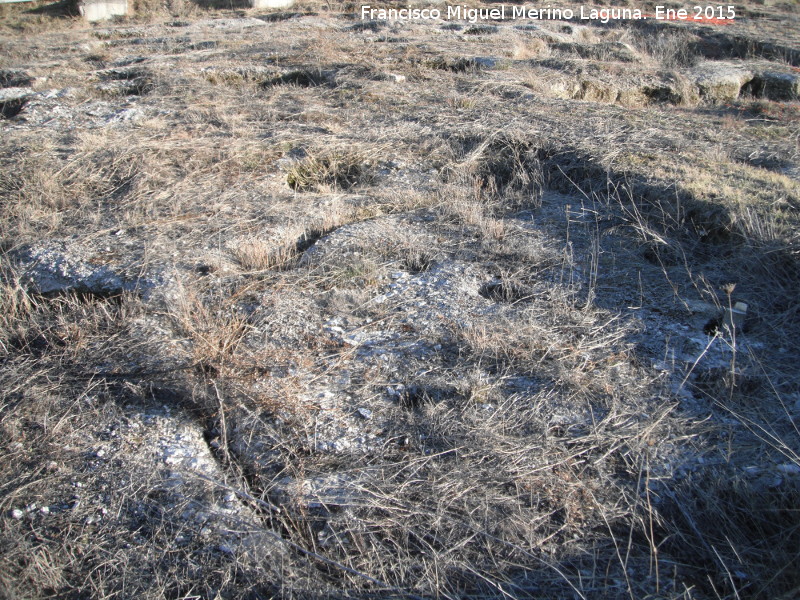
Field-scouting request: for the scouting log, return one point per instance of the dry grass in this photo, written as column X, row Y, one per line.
column 671, row 49
column 332, row 169
column 525, row 49
column 481, row 308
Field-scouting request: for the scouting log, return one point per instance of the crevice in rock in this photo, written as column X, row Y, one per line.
column 309, row 238
column 300, row 78
column 505, row 291
column 455, row 65
column 127, row 81
column 282, row 16
column 417, row 262
column 416, row 396
column 86, row 295
column 12, row 78
column 11, row 108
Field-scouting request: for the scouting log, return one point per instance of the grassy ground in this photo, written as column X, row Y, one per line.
column 407, row 310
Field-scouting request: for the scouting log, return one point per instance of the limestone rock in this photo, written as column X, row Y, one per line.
column 15, row 93
column 102, row 10
column 321, row 493
column 271, row 3
column 53, row 268
column 720, row 81
column 777, row 86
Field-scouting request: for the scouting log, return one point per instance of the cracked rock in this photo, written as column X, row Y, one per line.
column 53, row 268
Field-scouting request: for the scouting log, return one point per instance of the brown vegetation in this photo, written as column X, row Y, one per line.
column 295, row 306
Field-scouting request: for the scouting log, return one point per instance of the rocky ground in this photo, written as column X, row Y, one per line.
column 297, row 305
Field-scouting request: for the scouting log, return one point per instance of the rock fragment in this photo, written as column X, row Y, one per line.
column 720, row 81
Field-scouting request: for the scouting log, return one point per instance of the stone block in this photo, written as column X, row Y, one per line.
column 271, row 3
column 102, row 10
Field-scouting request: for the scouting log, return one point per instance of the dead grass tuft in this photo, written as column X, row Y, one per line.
column 672, row 49
column 300, row 78
column 526, row 49
column 330, row 170
column 500, row 166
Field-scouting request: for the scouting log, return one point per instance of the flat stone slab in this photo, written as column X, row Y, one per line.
column 271, row 3
column 719, row 81
column 102, row 10
column 54, row 267
column 15, row 93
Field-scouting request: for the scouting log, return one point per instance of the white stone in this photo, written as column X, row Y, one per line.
column 271, row 3
column 15, row 93
column 720, row 81
column 102, row 10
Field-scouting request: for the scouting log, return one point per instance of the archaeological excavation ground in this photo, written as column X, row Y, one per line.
column 301, row 305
